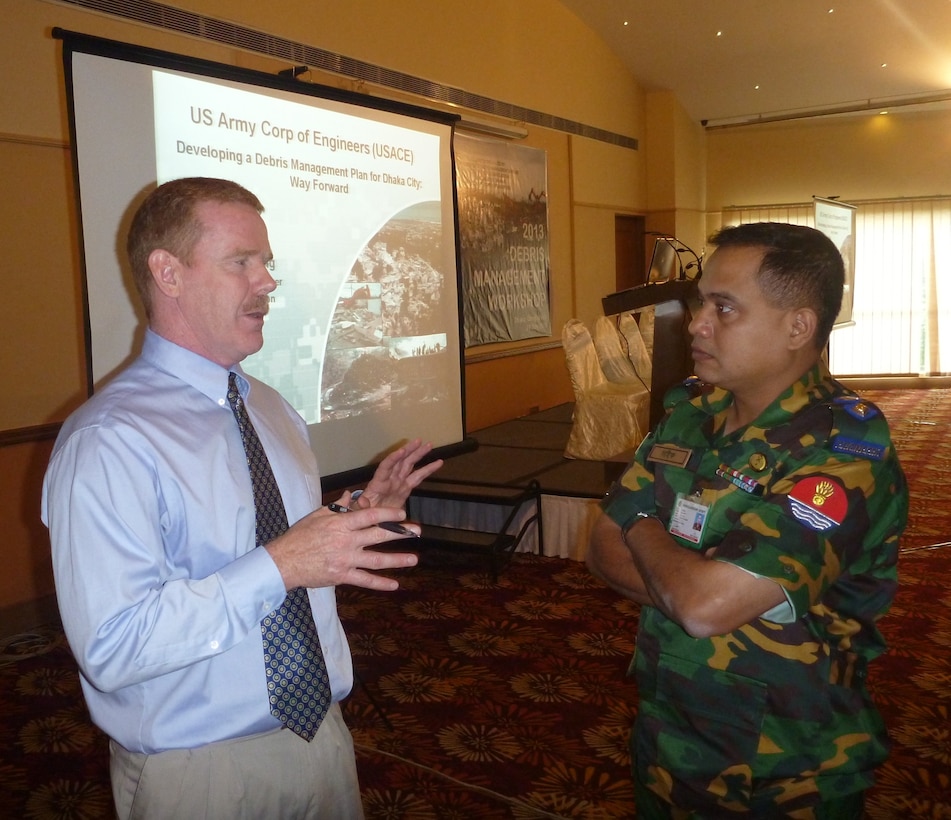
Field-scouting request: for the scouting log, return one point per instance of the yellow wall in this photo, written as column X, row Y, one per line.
column 533, row 54
column 675, row 150
column 873, row 156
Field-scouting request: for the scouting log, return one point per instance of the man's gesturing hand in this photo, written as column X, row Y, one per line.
column 328, row 549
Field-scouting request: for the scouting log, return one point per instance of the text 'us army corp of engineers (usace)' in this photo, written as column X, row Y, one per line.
column 308, row 175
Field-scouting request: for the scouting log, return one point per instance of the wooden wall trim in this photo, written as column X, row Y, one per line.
column 25, row 435
column 489, row 356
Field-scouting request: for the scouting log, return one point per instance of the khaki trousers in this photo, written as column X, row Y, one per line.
column 273, row 775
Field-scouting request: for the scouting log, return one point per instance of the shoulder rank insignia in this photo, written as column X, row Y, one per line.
column 818, row 502
column 854, row 447
column 857, row 408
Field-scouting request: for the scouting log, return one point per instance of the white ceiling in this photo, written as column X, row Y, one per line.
column 802, row 54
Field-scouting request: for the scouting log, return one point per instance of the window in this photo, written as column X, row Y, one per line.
column 902, row 300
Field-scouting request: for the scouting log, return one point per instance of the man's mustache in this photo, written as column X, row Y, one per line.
column 259, row 305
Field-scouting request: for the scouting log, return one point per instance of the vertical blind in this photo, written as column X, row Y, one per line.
column 902, row 299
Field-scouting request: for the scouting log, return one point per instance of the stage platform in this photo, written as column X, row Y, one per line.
column 513, row 454
column 532, row 447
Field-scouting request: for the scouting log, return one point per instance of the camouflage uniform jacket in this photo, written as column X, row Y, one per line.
column 810, row 495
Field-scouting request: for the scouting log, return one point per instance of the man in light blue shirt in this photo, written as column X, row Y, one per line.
column 149, row 504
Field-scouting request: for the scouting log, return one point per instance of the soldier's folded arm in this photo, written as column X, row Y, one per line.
column 705, row 596
column 609, row 559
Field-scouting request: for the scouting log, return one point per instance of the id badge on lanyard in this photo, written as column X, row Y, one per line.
column 689, row 517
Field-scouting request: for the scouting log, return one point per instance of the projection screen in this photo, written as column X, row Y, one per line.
column 363, row 333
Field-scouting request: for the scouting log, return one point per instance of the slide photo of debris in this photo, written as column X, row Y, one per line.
column 387, row 340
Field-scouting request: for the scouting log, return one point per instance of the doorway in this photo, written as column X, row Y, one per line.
column 629, row 251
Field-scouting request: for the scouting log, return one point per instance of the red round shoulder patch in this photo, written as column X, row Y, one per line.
column 818, row 502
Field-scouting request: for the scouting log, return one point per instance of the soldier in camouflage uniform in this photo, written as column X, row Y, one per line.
column 758, row 525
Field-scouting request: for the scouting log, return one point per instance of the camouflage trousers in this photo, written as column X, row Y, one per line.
column 652, row 807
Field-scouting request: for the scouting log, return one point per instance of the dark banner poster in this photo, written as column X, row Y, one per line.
column 503, row 232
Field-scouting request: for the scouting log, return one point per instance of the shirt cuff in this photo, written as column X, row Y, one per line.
column 782, row 613
column 254, row 583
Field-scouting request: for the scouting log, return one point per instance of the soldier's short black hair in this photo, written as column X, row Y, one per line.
column 801, row 267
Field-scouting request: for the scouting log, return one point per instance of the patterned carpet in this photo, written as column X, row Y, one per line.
column 509, row 699
column 920, row 422
column 516, row 688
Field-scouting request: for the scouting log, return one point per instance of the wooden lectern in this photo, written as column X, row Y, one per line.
column 671, row 359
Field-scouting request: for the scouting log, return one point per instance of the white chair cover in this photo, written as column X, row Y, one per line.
column 614, row 360
column 637, row 351
column 609, row 418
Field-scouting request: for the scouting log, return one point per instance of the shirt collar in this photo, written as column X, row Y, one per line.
column 203, row 374
column 815, row 384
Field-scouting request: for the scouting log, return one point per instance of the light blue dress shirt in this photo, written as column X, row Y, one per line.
column 160, row 586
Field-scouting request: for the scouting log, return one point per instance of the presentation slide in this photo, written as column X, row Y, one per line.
column 363, row 331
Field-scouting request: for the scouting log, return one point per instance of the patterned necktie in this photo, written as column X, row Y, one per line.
column 297, row 681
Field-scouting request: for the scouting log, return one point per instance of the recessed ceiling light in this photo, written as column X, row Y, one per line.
column 625, row 22
column 719, row 34
column 756, row 88
column 884, row 65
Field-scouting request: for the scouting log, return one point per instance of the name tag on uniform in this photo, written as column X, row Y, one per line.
column 669, row 454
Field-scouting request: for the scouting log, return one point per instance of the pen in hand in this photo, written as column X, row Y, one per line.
column 392, row 526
